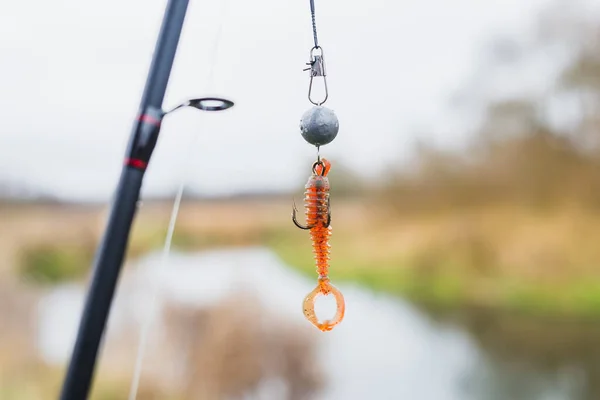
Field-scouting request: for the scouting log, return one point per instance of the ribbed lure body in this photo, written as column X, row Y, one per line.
column 318, row 221
column 316, row 203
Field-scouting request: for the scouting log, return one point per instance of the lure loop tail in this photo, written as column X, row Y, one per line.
column 324, row 288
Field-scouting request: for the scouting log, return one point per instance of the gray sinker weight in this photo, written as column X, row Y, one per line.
column 319, row 126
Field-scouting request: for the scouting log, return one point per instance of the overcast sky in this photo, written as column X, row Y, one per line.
column 72, row 73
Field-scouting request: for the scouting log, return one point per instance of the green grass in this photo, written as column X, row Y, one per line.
column 440, row 277
column 52, row 263
column 48, row 264
column 391, row 276
column 449, row 286
column 574, row 298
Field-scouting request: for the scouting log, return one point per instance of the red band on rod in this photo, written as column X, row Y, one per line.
column 136, row 163
column 149, row 119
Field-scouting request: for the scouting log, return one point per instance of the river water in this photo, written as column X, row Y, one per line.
column 384, row 349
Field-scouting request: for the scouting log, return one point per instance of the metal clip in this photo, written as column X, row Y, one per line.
column 316, row 68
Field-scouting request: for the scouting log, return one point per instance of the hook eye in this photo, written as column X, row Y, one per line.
column 315, row 165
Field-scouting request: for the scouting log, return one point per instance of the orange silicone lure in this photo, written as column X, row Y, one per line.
column 318, row 219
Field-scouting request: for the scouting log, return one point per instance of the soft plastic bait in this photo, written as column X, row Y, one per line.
column 318, row 221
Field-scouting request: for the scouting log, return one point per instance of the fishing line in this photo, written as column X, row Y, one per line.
column 171, row 228
column 319, row 126
column 314, row 22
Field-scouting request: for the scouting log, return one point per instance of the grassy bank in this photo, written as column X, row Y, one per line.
column 540, row 263
column 510, row 259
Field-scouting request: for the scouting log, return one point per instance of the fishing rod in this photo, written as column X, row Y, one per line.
column 111, row 251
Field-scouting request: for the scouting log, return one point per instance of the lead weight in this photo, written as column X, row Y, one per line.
column 319, row 126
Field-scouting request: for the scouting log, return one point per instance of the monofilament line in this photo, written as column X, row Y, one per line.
column 169, row 238
column 148, row 322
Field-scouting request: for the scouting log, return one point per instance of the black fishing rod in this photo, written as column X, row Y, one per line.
column 112, row 248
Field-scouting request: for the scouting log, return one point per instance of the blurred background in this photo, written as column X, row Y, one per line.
column 465, row 199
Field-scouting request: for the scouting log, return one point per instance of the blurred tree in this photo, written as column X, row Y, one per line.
column 573, row 28
column 525, row 148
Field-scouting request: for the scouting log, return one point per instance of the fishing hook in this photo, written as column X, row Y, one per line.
column 298, row 224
